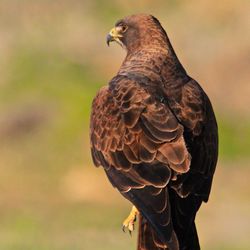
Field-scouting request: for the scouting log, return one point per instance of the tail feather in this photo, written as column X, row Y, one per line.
column 183, row 218
column 183, row 213
column 147, row 239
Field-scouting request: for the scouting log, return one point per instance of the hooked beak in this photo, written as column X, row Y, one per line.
column 113, row 36
column 109, row 39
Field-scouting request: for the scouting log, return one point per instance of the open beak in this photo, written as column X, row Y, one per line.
column 114, row 36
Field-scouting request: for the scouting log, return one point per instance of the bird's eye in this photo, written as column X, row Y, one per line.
column 122, row 28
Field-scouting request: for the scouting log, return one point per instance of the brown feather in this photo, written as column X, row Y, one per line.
column 154, row 131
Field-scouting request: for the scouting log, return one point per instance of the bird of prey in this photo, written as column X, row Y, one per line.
column 154, row 131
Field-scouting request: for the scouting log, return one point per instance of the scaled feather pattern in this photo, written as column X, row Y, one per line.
column 154, row 131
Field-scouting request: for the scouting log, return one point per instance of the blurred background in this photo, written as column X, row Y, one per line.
column 53, row 59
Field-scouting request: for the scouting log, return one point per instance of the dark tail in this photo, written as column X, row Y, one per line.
column 183, row 217
column 147, row 238
column 193, row 242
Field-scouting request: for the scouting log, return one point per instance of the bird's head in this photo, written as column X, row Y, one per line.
column 138, row 31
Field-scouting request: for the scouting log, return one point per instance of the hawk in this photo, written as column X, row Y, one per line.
column 154, row 131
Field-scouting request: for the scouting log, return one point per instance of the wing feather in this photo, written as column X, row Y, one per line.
column 146, row 146
column 141, row 145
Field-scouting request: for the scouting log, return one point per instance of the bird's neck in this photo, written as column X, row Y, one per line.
column 156, row 63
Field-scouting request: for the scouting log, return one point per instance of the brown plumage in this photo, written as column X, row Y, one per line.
column 154, row 131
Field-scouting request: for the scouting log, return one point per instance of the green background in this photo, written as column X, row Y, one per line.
column 53, row 59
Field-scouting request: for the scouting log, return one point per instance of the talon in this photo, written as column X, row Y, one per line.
column 129, row 222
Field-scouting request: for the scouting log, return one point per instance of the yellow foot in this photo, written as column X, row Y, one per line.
column 130, row 221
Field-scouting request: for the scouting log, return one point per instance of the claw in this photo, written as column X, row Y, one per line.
column 130, row 233
column 129, row 222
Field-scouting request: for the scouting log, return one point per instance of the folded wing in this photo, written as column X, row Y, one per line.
column 140, row 143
